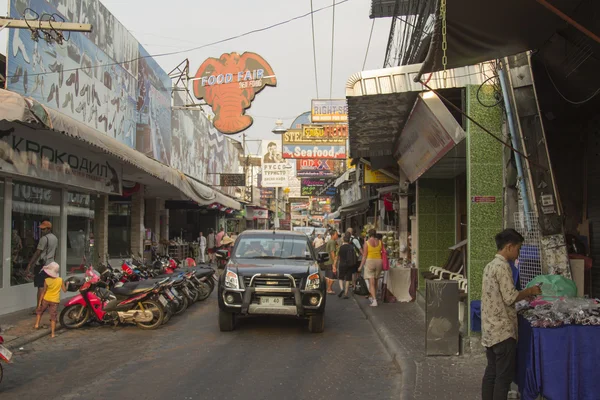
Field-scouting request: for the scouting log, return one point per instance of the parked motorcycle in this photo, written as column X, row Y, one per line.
column 5, row 356
column 138, row 303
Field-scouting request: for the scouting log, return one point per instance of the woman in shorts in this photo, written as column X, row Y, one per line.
column 373, row 264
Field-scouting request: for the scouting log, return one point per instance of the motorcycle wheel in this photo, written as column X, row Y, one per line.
column 204, row 291
column 157, row 311
column 183, row 304
column 195, row 294
column 72, row 312
column 1, row 373
column 168, row 314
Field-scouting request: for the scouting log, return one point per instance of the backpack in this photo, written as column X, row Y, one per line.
column 351, row 257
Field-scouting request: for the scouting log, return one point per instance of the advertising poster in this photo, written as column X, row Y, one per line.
column 319, row 168
column 317, row 187
column 376, row 177
column 334, row 134
column 79, row 78
column 275, row 169
column 332, row 110
column 153, row 110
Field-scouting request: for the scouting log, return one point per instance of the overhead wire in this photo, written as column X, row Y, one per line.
column 312, row 21
column 368, row 45
column 577, row 103
column 287, row 21
column 332, row 48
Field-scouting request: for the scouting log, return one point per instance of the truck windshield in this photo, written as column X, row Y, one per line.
column 284, row 247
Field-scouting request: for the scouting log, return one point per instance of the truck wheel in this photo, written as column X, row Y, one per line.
column 316, row 323
column 226, row 321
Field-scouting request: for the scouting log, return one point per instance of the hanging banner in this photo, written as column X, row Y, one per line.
column 317, row 187
column 376, row 177
column 314, row 152
column 232, row 180
column 329, row 110
column 275, row 170
column 228, row 84
column 43, row 157
column 319, row 168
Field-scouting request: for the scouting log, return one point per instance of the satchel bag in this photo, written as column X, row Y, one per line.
column 361, row 288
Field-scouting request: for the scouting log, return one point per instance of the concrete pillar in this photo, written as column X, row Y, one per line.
column 101, row 229
column 402, row 213
column 154, row 209
column 137, row 222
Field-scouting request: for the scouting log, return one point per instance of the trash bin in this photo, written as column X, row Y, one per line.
column 442, row 334
column 476, row 315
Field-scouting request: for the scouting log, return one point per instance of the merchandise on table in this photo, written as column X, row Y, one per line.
column 562, row 311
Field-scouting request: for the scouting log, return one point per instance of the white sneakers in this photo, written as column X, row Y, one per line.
column 373, row 302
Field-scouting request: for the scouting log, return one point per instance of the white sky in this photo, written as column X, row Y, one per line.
column 166, row 26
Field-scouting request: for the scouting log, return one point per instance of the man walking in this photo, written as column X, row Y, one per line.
column 499, row 316
column 330, row 265
column 318, row 242
column 202, row 246
column 43, row 256
column 210, row 243
column 358, row 250
column 220, row 237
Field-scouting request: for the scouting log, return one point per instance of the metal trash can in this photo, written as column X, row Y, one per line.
column 441, row 318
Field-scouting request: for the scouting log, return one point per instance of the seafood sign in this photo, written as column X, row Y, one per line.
column 314, row 152
column 228, row 84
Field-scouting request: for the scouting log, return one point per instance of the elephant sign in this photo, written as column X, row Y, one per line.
column 228, row 84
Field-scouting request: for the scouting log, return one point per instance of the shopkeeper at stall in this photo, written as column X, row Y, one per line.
column 499, row 322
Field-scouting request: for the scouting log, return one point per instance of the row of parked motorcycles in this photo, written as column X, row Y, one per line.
column 146, row 295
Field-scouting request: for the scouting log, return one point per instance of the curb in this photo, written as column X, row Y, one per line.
column 407, row 367
column 29, row 338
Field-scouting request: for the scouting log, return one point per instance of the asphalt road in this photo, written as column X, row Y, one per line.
column 264, row 358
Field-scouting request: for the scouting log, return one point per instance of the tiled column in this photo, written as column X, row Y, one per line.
column 137, row 222
column 101, row 228
column 154, row 209
column 484, row 179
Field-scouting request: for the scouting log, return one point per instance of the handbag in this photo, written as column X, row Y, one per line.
column 361, row 288
column 384, row 259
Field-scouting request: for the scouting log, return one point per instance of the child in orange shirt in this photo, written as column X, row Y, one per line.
column 50, row 297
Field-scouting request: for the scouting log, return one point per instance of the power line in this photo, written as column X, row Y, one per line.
column 368, row 45
column 332, row 42
column 312, row 21
column 197, row 47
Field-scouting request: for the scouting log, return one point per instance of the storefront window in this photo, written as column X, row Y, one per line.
column 32, row 204
column 119, row 229
column 80, row 231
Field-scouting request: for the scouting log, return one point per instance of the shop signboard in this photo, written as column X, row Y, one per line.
column 101, row 78
column 298, row 206
column 306, row 151
column 228, row 84
column 285, row 224
column 330, row 110
column 307, row 230
column 275, row 170
column 298, row 199
column 267, row 193
column 232, row 180
column 256, row 213
column 317, row 134
column 376, row 177
column 430, row 132
column 319, row 168
column 317, row 187
column 43, row 157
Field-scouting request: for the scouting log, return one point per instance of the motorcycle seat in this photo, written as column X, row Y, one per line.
column 134, row 287
column 204, row 272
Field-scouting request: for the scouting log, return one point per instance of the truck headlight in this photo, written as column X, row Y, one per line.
column 231, row 280
column 313, row 282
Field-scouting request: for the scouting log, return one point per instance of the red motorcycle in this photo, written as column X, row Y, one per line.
column 5, row 356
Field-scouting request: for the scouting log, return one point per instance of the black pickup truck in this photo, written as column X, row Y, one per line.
column 273, row 273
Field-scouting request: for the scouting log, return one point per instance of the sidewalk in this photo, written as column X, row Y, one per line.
column 401, row 328
column 17, row 328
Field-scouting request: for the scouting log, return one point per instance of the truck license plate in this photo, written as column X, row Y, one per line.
column 271, row 301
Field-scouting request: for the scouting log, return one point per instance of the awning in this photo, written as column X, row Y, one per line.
column 16, row 109
column 477, row 32
column 344, row 178
column 359, row 205
column 380, row 102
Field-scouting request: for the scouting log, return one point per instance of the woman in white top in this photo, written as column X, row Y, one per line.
column 202, row 245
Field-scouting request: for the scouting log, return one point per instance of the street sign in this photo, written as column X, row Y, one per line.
column 233, row 180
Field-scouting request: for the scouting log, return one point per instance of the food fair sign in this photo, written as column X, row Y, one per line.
column 228, row 84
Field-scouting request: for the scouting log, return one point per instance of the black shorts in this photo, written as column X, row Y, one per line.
column 329, row 273
column 39, row 276
column 345, row 272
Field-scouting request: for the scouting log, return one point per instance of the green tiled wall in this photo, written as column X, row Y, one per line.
column 437, row 222
column 484, row 178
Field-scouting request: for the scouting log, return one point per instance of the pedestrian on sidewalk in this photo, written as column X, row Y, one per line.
column 373, row 264
column 44, row 255
column 330, row 265
column 50, row 299
column 219, row 237
column 358, row 249
column 499, row 317
column 346, row 265
column 202, row 247
column 210, row 243
column 318, row 242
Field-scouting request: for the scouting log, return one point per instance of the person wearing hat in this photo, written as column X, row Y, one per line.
column 50, row 296
column 43, row 255
column 226, row 243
